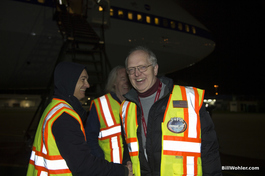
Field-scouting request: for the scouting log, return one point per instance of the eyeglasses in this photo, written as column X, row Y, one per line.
column 141, row 68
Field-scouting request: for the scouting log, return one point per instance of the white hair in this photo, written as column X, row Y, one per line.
column 112, row 78
column 152, row 57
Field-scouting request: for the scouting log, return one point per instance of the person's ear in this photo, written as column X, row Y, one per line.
column 156, row 69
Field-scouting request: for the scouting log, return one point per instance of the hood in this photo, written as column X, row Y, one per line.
column 66, row 75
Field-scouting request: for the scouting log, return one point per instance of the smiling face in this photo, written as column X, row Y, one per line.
column 81, row 85
column 141, row 81
column 121, row 85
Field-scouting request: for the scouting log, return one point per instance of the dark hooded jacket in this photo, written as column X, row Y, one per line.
column 69, row 138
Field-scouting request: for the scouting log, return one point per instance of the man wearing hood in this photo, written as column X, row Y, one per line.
column 60, row 145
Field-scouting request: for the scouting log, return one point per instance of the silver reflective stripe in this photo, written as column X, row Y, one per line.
column 49, row 164
column 109, row 132
column 192, row 127
column 44, row 150
column 56, row 164
column 190, row 165
column 32, row 156
column 115, row 151
column 48, row 116
column 43, row 173
column 182, row 146
column 106, row 111
column 124, row 107
column 133, row 147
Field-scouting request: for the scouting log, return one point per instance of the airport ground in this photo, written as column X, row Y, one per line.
column 240, row 135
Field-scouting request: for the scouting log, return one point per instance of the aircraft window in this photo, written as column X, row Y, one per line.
column 120, row 13
column 41, row 1
column 172, row 24
column 100, row 8
column 148, row 19
column 165, row 23
column 111, row 12
column 130, row 15
column 156, row 21
column 187, row 27
column 180, row 26
column 193, row 30
column 139, row 17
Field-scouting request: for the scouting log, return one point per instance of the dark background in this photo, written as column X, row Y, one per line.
column 237, row 63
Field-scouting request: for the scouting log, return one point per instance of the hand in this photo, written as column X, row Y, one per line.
column 129, row 166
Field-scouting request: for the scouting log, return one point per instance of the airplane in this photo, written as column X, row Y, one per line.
column 30, row 42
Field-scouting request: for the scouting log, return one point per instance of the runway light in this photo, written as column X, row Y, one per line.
column 209, row 102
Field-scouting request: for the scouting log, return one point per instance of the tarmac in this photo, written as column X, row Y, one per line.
column 240, row 135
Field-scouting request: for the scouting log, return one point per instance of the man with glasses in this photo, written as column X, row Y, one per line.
column 167, row 129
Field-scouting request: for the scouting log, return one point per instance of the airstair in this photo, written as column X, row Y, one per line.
column 82, row 44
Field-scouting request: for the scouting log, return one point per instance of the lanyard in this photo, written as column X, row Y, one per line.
column 156, row 98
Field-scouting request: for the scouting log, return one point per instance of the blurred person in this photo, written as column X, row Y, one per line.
column 168, row 130
column 60, row 146
column 103, row 127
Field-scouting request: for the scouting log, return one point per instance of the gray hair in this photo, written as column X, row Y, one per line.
column 112, row 78
column 152, row 57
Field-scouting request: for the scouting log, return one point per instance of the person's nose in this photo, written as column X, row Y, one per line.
column 137, row 72
column 87, row 85
column 127, row 82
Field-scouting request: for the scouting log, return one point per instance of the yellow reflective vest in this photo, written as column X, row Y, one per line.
column 181, row 133
column 109, row 139
column 45, row 157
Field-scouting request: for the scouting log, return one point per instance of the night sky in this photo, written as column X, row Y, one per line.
column 237, row 63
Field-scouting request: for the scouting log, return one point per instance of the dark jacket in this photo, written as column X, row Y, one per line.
column 69, row 138
column 92, row 129
column 211, row 165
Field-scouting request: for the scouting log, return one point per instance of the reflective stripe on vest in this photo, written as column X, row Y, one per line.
column 106, row 111
column 112, row 131
column 48, row 161
column 50, row 164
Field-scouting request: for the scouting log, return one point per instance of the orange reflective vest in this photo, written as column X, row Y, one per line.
column 109, row 139
column 181, row 133
column 45, row 157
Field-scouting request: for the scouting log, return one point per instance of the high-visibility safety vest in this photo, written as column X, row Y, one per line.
column 45, row 157
column 109, row 139
column 181, row 133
